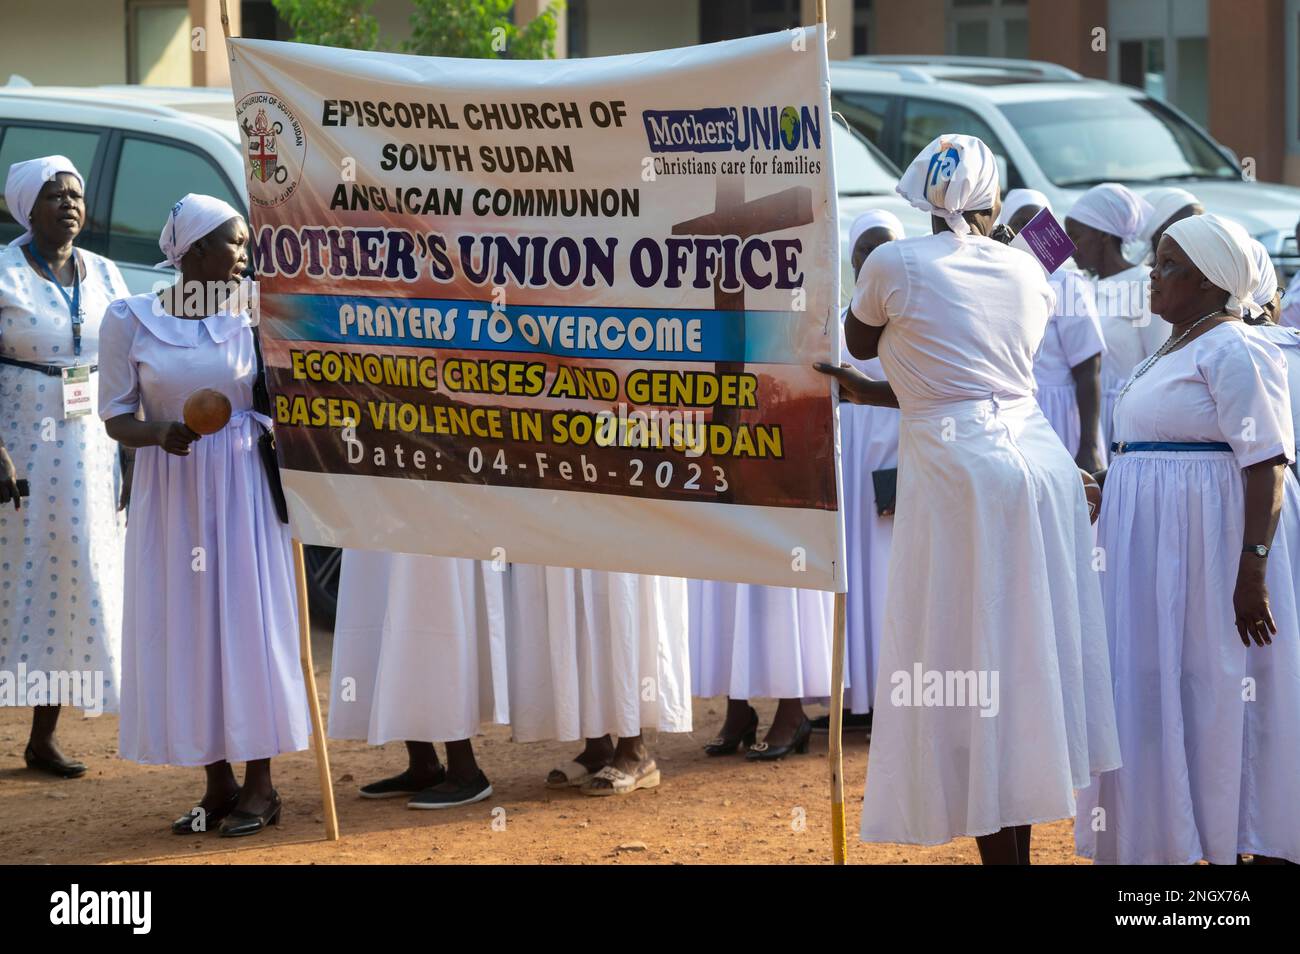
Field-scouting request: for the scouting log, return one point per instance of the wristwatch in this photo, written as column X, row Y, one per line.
column 1258, row 549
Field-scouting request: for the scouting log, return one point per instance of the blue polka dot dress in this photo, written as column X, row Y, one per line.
column 61, row 554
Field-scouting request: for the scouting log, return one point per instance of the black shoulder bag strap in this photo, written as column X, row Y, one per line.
column 266, row 443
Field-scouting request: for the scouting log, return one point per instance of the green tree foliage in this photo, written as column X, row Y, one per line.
column 345, row 23
column 480, row 29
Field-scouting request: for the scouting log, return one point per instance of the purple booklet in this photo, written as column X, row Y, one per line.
column 1044, row 239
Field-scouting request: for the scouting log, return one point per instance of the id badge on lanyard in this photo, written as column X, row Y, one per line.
column 76, row 380
column 78, row 399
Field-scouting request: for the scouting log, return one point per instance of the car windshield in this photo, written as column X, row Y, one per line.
column 859, row 168
column 1087, row 140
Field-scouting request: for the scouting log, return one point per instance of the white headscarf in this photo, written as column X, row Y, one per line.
column 1113, row 209
column 24, row 184
column 189, row 220
column 874, row 219
column 1266, row 285
column 1017, row 199
column 952, row 175
column 1220, row 248
column 1165, row 202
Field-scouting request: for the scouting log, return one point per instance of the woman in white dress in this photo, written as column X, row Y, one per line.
column 419, row 655
column 1196, row 573
column 999, row 701
column 210, row 669
column 751, row 642
column 61, row 547
column 593, row 655
column 868, row 444
column 1067, row 367
column 1101, row 223
column 1168, row 205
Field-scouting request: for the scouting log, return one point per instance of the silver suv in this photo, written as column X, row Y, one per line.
column 1058, row 132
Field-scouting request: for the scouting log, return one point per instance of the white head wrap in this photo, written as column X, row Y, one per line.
column 1113, row 209
column 1266, row 285
column 1017, row 199
column 1165, row 202
column 952, row 175
column 24, row 184
column 874, row 219
column 1220, row 248
column 189, row 220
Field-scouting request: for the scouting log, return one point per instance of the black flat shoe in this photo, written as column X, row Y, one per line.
column 239, row 822
column 770, row 753
column 188, row 824
column 61, row 768
column 725, row 746
column 400, row 785
column 853, row 722
column 450, row 794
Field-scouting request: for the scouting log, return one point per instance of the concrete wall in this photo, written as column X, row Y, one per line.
column 1061, row 31
column 1247, row 97
column 63, row 43
column 911, row 26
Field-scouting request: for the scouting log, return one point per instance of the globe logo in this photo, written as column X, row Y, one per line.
column 790, row 127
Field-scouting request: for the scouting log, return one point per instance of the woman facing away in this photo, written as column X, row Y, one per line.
column 998, row 704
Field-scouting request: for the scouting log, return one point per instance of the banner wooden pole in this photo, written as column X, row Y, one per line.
column 313, row 700
column 835, row 754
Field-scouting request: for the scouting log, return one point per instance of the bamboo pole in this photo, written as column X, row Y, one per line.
column 835, row 746
column 313, row 700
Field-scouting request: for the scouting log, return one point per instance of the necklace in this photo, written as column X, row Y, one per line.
column 1163, row 350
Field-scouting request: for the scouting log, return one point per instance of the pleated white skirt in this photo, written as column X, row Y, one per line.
column 869, row 442
column 1060, row 405
column 990, row 579
column 760, row 642
column 419, row 649
column 1209, row 730
column 595, row 653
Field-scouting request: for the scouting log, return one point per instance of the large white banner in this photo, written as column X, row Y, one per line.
column 556, row 312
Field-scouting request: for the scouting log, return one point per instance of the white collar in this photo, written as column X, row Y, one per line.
column 184, row 332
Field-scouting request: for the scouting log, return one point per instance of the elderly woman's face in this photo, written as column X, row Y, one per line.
column 1177, row 286
column 221, row 255
column 59, row 211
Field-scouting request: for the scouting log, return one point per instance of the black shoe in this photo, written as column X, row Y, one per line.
column 239, row 822
column 853, row 722
column 768, row 753
column 62, row 768
column 449, row 794
column 187, row 824
column 725, row 746
column 400, row 785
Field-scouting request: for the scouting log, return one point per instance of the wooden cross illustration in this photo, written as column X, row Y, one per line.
column 732, row 215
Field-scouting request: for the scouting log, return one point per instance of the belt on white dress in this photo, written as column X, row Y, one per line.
column 1205, row 447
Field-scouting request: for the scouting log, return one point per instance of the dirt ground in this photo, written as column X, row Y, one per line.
column 706, row 810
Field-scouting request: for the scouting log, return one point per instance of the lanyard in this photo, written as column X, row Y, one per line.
column 73, row 301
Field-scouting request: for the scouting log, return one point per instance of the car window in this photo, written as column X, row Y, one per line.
column 865, row 113
column 859, row 170
column 19, row 143
column 151, row 176
column 1081, row 142
column 924, row 120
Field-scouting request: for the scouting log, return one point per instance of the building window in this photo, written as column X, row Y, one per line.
column 158, row 42
column 863, row 27
column 576, row 29
column 729, row 19
column 988, row 28
column 1292, row 74
column 1160, row 47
